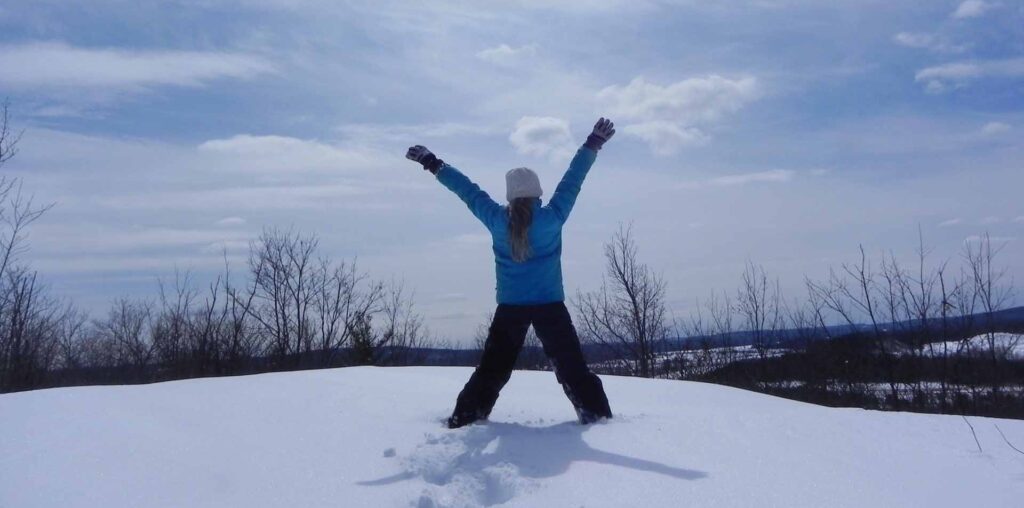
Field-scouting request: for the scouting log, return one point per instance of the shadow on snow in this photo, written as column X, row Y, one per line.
column 534, row 452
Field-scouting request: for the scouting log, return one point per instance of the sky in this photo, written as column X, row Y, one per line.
column 780, row 132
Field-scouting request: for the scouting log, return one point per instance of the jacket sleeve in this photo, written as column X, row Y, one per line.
column 569, row 188
column 478, row 201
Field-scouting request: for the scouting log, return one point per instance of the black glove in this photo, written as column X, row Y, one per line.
column 420, row 154
column 603, row 131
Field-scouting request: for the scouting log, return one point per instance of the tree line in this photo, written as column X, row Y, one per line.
column 290, row 310
column 877, row 334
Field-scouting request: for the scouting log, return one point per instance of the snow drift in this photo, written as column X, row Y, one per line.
column 374, row 437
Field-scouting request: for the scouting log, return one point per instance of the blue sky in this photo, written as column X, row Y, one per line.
column 783, row 132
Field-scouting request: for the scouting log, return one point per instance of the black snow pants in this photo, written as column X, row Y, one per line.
column 504, row 340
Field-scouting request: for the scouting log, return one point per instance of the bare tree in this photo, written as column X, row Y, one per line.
column 8, row 138
column 759, row 303
column 344, row 296
column 28, row 317
column 239, row 337
column 29, row 329
column 949, row 292
column 402, row 330
column 70, row 334
column 713, row 335
column 854, row 295
column 992, row 294
column 125, row 333
column 627, row 315
column 911, row 316
column 311, row 309
column 284, row 282
column 174, row 343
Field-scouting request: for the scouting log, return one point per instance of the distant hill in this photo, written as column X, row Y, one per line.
column 1007, row 320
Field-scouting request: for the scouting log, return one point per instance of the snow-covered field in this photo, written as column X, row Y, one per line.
column 1007, row 345
column 373, row 437
column 694, row 362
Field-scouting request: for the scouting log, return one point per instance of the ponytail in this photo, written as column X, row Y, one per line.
column 520, row 216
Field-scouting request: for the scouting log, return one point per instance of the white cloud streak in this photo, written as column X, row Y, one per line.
column 669, row 117
column 770, row 176
column 994, row 128
column 503, row 54
column 542, row 136
column 101, row 239
column 245, row 198
column 231, row 221
column 940, row 78
column 58, row 65
column 927, row 41
column 972, row 9
column 776, row 175
column 690, row 100
column 666, row 138
column 273, row 154
column 388, row 134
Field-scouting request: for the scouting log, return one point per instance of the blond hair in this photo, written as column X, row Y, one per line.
column 520, row 216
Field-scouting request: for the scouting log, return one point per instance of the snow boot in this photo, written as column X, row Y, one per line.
column 461, row 420
column 587, row 417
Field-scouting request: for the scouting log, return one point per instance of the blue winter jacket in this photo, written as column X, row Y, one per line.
column 538, row 279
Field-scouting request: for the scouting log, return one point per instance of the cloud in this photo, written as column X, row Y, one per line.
column 58, row 65
column 993, row 128
column 990, row 220
column 770, row 176
column 231, row 221
column 775, row 175
column 225, row 246
column 927, row 41
column 665, row 138
column 951, row 222
column 503, row 54
column 972, row 9
column 542, row 136
column 389, row 134
column 122, row 263
column 690, row 100
column 586, row 6
column 940, row 78
column 231, row 199
column 913, row 40
column 1019, row 219
column 668, row 117
column 97, row 239
column 246, row 152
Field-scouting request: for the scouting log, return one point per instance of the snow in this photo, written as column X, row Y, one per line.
column 1007, row 345
column 373, row 437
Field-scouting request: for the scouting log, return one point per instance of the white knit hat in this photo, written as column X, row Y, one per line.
column 522, row 183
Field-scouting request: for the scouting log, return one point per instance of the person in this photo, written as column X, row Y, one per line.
column 527, row 242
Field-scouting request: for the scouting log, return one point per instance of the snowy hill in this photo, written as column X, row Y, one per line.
column 373, row 437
